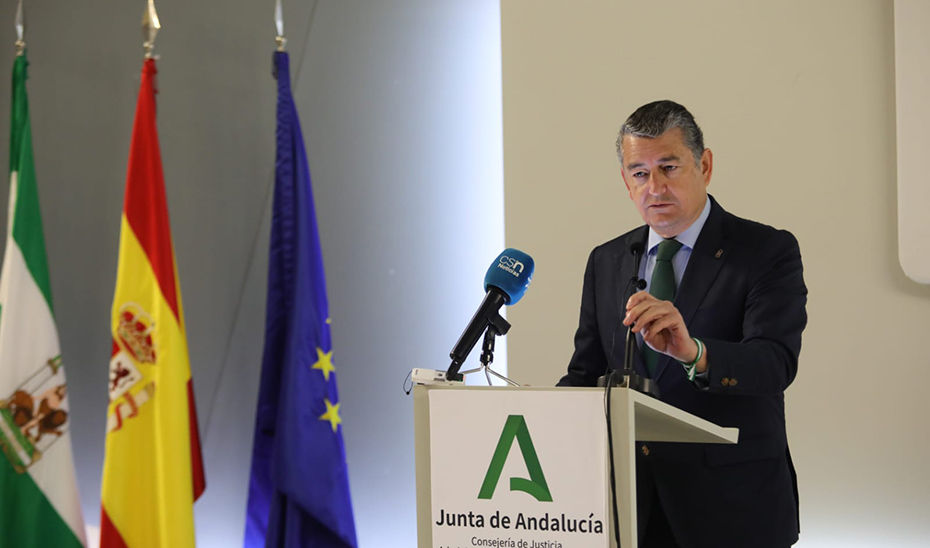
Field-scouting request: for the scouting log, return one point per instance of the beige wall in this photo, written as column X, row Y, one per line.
column 796, row 99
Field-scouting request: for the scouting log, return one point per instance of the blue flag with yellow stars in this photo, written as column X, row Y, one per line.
column 299, row 486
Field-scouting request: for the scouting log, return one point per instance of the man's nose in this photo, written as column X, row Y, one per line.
column 656, row 184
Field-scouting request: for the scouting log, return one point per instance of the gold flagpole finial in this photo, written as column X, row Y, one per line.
column 150, row 26
column 20, row 30
column 279, row 25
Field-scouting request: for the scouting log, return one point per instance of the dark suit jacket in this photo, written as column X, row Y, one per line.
column 743, row 295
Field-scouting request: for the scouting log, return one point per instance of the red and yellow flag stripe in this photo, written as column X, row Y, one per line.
column 153, row 471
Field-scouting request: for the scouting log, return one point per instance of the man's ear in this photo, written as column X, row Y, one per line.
column 707, row 165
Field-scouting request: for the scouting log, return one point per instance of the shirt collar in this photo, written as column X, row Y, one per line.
column 687, row 238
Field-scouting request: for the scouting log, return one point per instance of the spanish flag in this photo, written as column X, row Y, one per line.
column 152, row 472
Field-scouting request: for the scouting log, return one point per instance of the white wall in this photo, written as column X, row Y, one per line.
column 912, row 86
column 796, row 100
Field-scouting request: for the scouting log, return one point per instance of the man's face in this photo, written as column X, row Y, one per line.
column 664, row 182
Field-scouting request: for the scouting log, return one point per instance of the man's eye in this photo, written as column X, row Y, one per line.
column 639, row 175
column 669, row 168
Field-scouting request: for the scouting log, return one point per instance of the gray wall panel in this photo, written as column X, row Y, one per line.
column 401, row 111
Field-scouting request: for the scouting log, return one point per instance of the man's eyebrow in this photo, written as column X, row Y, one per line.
column 662, row 160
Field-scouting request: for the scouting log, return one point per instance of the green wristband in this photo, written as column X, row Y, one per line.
column 690, row 368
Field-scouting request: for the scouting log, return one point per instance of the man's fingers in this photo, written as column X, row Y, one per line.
column 633, row 314
column 665, row 322
column 639, row 297
column 648, row 316
column 652, row 305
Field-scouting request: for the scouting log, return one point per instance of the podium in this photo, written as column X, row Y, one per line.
column 469, row 441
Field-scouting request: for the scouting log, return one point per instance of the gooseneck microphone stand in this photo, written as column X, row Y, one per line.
column 499, row 327
column 627, row 377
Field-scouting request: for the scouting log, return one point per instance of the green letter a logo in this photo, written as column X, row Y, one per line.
column 515, row 427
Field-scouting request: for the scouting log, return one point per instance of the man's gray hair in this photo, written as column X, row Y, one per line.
column 654, row 119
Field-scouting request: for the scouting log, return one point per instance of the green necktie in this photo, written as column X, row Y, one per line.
column 661, row 287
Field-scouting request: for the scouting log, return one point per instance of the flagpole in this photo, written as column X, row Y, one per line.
column 20, row 30
column 150, row 27
column 279, row 25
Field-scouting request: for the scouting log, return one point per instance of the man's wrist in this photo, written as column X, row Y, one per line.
column 702, row 364
column 691, row 367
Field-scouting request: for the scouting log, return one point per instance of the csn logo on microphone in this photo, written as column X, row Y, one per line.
column 511, row 265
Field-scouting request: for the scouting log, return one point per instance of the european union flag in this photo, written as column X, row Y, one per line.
column 299, row 487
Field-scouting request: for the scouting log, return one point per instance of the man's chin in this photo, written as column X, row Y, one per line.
column 664, row 218
column 666, row 226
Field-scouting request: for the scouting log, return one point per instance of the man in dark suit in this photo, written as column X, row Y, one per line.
column 719, row 327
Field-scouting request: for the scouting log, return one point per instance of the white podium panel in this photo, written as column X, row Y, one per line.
column 527, row 467
column 513, row 468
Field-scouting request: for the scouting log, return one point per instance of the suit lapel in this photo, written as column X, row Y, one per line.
column 623, row 264
column 709, row 254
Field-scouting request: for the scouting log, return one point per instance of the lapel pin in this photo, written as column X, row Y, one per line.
column 718, row 253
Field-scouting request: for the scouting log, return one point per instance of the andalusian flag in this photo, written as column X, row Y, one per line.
column 38, row 496
column 153, row 472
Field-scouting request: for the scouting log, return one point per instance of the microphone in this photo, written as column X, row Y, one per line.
column 507, row 279
column 636, row 249
column 636, row 284
column 632, row 380
column 641, row 384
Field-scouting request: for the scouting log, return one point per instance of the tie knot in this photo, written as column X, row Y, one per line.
column 668, row 249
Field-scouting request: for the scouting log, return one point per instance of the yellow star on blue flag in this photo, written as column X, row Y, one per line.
column 331, row 414
column 324, row 362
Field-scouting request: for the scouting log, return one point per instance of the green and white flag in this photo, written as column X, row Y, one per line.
column 39, row 504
